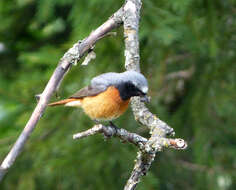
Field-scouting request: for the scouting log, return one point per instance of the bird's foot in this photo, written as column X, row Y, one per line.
column 110, row 130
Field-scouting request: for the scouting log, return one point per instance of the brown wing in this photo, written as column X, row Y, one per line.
column 88, row 91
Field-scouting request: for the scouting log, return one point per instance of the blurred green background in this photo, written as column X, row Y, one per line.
column 188, row 55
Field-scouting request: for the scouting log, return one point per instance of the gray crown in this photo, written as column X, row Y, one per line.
column 109, row 79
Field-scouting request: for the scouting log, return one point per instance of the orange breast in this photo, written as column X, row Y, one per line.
column 105, row 106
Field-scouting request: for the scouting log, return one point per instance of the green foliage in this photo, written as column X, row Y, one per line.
column 197, row 37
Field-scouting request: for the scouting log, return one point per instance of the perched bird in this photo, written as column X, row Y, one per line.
column 108, row 95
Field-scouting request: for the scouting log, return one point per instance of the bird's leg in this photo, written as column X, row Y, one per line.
column 113, row 125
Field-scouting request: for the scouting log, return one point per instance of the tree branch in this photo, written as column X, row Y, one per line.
column 73, row 55
column 126, row 136
column 110, row 131
column 158, row 128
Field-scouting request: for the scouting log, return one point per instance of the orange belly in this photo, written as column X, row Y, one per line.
column 105, row 106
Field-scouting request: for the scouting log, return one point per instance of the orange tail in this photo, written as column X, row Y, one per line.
column 62, row 102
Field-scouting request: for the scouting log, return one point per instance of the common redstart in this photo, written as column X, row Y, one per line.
column 108, row 95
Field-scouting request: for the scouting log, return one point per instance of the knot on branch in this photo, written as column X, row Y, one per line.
column 178, row 144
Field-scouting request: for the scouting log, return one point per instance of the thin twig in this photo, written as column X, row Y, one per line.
column 91, row 55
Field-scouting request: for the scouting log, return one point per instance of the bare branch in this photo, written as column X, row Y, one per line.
column 133, row 138
column 73, row 55
column 110, row 131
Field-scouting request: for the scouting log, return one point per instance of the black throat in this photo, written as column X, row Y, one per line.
column 128, row 90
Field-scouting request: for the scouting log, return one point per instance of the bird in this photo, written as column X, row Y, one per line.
column 108, row 95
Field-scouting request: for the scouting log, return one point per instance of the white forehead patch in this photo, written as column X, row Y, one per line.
column 144, row 89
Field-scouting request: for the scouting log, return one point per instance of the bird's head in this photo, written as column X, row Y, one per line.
column 133, row 84
column 129, row 84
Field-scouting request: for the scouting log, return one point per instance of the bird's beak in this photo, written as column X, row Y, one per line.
column 145, row 98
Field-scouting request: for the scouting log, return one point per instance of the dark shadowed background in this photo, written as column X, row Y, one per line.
column 188, row 55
